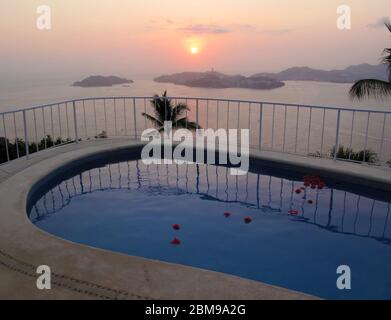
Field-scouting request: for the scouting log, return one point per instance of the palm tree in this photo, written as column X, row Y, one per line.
column 371, row 87
column 165, row 111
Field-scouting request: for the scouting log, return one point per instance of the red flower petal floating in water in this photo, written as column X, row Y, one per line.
column 176, row 226
column 314, row 182
column 175, row 242
column 293, row 212
column 227, row 214
column 248, row 220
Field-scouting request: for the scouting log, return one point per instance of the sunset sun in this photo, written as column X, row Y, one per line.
column 194, row 50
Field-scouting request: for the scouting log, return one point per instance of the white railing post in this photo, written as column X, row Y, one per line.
column 217, row 113
column 238, row 116
column 297, row 127
column 366, row 137
column 197, row 124
column 337, row 135
column 322, row 134
column 85, row 120
column 75, row 121
column 273, row 118
column 351, row 133
column 284, row 132
column 382, row 136
column 260, row 125
column 134, row 116
column 126, row 126
column 59, row 120
column 6, row 140
column 105, row 111
column 207, row 113
column 16, row 136
column 228, row 104
column 309, row 132
column 26, row 141
column 95, row 120
column 115, row 117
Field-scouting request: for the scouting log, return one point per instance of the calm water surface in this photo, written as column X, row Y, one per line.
column 130, row 208
column 18, row 93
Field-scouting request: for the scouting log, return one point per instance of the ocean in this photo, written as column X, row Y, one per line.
column 17, row 94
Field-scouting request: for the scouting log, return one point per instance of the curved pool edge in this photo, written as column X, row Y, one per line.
column 107, row 274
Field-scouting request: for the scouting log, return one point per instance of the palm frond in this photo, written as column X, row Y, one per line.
column 387, row 53
column 162, row 107
column 387, row 61
column 185, row 123
column 370, row 88
column 178, row 110
column 156, row 122
column 164, row 110
column 387, row 56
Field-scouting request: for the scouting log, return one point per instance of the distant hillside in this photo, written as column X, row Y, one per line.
column 217, row 80
column 348, row 75
column 101, row 81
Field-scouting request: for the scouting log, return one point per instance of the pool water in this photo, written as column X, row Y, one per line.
column 293, row 238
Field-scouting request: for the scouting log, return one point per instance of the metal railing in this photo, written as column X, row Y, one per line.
column 289, row 128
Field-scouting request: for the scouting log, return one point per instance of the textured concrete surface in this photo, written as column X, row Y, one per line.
column 82, row 272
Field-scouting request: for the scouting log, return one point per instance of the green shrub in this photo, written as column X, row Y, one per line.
column 19, row 146
column 365, row 155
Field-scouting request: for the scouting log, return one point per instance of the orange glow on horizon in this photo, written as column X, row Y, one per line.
column 233, row 36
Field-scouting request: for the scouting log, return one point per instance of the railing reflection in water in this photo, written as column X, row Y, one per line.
column 333, row 209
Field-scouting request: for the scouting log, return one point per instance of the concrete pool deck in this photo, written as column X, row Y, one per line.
column 83, row 272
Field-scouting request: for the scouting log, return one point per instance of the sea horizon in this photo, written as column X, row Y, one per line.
column 23, row 93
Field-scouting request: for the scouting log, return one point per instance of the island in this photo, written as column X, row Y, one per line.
column 348, row 75
column 217, row 80
column 101, row 81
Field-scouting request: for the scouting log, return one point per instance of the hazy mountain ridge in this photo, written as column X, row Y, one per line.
column 217, row 80
column 101, row 81
column 348, row 75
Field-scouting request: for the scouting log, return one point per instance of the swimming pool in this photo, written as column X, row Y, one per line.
column 265, row 226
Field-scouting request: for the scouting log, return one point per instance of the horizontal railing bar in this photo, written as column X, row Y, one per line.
column 246, row 101
column 365, row 110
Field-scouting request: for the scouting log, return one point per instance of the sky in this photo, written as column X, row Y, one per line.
column 152, row 37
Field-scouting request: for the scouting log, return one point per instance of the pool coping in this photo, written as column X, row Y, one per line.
column 83, row 272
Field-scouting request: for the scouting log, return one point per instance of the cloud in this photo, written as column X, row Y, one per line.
column 212, row 29
column 155, row 26
column 277, row 31
column 216, row 29
column 244, row 26
column 205, row 29
column 255, row 29
column 380, row 23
